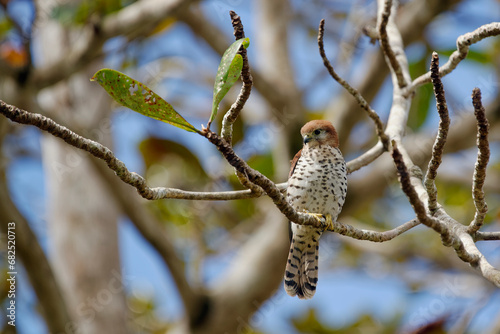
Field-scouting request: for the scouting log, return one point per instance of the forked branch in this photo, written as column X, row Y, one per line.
column 410, row 192
column 463, row 43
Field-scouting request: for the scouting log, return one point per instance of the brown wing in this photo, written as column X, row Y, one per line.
column 294, row 163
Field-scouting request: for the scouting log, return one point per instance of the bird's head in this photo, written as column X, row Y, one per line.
column 319, row 132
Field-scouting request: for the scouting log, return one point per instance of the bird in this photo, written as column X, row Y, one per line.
column 317, row 185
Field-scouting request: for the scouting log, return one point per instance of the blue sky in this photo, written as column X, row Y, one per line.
column 344, row 293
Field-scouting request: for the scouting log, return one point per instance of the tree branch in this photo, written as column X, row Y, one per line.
column 467, row 250
column 274, row 191
column 483, row 157
column 102, row 152
column 233, row 113
column 40, row 274
column 374, row 236
column 366, row 158
column 452, row 233
column 386, row 46
column 357, row 96
column 460, row 137
column 444, row 124
column 463, row 43
column 398, row 116
column 135, row 19
column 486, row 236
column 412, row 20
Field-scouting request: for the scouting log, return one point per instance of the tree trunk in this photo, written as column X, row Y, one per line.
column 82, row 218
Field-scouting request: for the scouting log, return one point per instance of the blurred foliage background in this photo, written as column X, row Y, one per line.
column 410, row 283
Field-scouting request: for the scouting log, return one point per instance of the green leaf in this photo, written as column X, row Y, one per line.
column 138, row 97
column 228, row 73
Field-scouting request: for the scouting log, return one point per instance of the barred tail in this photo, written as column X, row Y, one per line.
column 301, row 273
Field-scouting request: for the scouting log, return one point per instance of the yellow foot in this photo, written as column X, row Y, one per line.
column 324, row 220
column 328, row 223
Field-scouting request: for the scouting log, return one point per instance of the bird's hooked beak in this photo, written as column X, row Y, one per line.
column 307, row 139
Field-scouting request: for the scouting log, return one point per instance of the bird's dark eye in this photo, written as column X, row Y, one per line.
column 317, row 132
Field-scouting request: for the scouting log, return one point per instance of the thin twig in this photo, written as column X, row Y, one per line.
column 444, row 124
column 357, row 96
column 366, row 158
column 463, row 44
column 386, row 46
column 233, row 113
column 254, row 189
column 374, row 236
column 483, row 157
column 372, row 33
column 486, row 236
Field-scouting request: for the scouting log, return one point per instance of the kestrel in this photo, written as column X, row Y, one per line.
column 317, row 184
